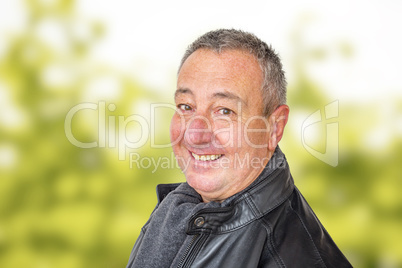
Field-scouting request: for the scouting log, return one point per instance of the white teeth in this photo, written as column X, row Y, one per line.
column 206, row 157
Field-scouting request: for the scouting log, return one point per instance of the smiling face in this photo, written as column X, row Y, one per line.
column 219, row 136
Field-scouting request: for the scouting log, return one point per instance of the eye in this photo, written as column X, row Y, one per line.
column 184, row 107
column 225, row 111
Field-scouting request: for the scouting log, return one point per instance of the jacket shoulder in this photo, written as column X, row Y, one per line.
column 299, row 238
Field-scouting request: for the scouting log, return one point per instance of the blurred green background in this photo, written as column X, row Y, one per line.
column 66, row 206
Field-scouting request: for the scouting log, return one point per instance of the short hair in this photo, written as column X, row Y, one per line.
column 274, row 85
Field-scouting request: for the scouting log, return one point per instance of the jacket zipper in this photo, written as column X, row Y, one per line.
column 192, row 250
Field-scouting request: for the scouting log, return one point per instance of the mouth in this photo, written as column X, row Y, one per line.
column 206, row 157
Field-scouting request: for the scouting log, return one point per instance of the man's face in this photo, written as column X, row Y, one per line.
column 218, row 133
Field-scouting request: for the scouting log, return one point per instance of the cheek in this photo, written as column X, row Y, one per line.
column 177, row 128
column 226, row 134
column 257, row 134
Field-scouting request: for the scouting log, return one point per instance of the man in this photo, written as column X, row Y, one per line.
column 239, row 206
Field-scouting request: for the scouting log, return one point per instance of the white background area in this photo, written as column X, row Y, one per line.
column 148, row 38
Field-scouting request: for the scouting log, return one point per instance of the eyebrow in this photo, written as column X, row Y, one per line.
column 228, row 95
column 183, row 91
column 217, row 95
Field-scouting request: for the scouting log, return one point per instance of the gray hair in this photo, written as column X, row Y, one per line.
column 274, row 85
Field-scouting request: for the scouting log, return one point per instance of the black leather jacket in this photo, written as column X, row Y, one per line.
column 269, row 224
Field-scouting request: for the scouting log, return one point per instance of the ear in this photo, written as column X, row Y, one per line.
column 278, row 120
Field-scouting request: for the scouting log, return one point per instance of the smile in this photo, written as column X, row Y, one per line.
column 206, row 157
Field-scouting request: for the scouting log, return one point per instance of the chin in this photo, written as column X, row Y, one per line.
column 204, row 186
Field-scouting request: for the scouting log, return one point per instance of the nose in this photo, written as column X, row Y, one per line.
column 198, row 131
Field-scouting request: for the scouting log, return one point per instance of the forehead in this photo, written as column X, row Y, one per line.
column 234, row 71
